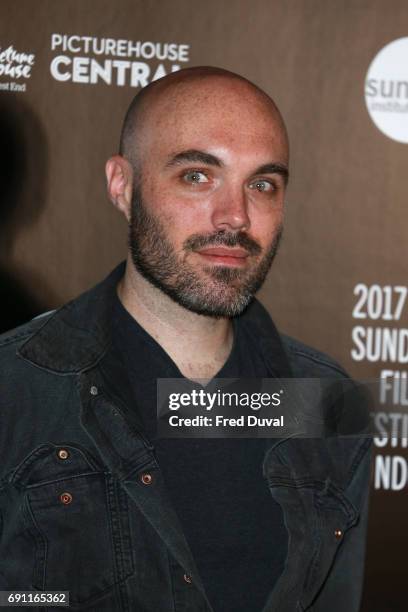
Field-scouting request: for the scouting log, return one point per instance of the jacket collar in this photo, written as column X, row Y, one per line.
column 76, row 336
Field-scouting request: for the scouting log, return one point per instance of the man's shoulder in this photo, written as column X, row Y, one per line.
column 11, row 339
column 307, row 361
column 70, row 339
column 304, row 361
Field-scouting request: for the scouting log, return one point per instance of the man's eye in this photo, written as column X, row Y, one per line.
column 262, row 185
column 195, row 176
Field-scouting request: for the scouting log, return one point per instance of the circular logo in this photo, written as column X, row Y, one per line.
column 386, row 90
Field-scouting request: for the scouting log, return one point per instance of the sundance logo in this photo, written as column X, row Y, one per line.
column 15, row 65
column 386, row 90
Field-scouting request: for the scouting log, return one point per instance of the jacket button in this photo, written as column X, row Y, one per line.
column 338, row 534
column 66, row 498
column 146, row 478
column 63, row 454
column 187, row 578
column 93, row 390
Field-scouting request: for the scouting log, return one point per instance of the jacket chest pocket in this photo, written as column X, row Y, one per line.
column 77, row 517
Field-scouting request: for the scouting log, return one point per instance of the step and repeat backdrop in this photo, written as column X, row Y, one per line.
column 339, row 73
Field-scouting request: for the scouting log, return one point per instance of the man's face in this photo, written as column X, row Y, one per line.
column 207, row 210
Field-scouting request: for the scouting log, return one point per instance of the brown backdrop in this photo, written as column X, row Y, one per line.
column 347, row 203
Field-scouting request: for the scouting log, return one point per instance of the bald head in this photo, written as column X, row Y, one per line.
column 182, row 93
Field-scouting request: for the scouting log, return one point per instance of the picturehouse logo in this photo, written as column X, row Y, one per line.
column 386, row 90
column 90, row 60
column 15, row 66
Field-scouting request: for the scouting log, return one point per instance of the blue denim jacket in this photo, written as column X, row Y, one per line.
column 83, row 505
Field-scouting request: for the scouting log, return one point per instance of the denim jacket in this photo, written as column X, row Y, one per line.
column 83, row 506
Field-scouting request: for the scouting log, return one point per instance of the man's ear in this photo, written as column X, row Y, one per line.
column 119, row 176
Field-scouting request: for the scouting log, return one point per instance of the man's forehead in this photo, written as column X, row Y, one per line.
column 217, row 97
column 225, row 138
column 221, row 114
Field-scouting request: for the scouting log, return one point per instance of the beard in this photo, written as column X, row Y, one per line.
column 215, row 291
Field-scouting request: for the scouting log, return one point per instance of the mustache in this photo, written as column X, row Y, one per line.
column 228, row 239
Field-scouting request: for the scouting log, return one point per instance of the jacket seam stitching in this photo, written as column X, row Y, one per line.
column 318, row 359
column 357, row 460
column 17, row 337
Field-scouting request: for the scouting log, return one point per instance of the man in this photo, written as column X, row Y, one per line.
column 91, row 499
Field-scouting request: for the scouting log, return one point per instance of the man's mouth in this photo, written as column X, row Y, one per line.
column 225, row 256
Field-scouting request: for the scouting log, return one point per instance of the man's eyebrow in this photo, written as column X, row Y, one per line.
column 274, row 168
column 194, row 156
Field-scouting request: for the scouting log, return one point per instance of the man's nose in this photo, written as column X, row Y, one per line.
column 230, row 210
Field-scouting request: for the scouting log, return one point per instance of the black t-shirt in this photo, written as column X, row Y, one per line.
column 233, row 526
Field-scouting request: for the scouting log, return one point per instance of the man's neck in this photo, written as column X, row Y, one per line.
column 199, row 345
